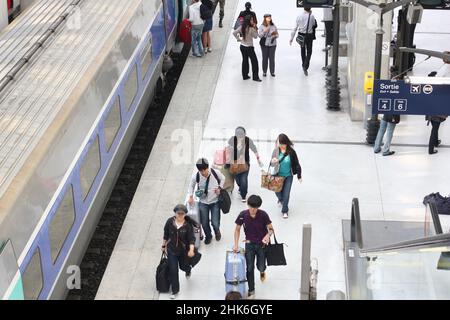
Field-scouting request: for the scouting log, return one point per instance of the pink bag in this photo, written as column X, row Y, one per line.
column 220, row 157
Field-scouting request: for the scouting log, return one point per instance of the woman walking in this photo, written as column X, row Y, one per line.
column 248, row 32
column 268, row 33
column 178, row 243
column 286, row 158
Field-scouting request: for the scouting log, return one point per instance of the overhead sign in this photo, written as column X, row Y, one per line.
column 398, row 97
column 315, row 3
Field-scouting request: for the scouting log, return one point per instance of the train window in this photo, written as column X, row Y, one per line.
column 90, row 168
column 131, row 88
column 33, row 279
column 112, row 124
column 61, row 224
column 146, row 58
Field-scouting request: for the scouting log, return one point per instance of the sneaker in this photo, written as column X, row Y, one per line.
column 188, row 275
column 209, row 50
column 262, row 276
column 433, row 152
column 206, row 51
column 208, row 240
column 251, row 294
column 220, row 24
column 264, row 74
column 388, row 153
column 243, row 200
column 272, row 74
column 377, row 150
column 257, row 80
column 173, row 295
column 285, row 215
column 246, row 78
column 305, row 72
column 218, row 236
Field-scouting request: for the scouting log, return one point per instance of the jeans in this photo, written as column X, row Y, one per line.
column 390, row 132
column 285, row 194
column 249, row 52
column 174, row 262
column 215, row 218
column 242, row 182
column 253, row 250
column 434, row 136
column 268, row 54
column 307, row 53
column 196, row 34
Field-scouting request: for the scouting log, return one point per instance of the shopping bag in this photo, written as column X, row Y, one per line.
column 272, row 183
column 275, row 253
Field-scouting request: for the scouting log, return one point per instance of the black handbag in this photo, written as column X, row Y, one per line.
column 275, row 253
column 195, row 259
column 224, row 201
column 162, row 275
column 262, row 42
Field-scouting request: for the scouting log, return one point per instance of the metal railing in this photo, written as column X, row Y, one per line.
column 355, row 226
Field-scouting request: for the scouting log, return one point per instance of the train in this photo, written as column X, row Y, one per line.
column 76, row 79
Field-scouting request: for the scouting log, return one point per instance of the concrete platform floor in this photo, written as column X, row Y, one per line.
column 337, row 166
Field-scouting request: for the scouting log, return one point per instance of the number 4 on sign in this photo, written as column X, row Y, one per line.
column 384, row 105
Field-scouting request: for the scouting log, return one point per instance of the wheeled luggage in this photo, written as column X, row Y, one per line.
column 235, row 272
column 185, row 31
column 194, row 214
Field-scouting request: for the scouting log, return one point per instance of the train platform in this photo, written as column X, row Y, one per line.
column 210, row 101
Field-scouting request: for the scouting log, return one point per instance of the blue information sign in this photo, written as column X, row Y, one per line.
column 398, row 97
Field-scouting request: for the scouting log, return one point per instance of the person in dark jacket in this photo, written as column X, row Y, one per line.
column 286, row 158
column 388, row 124
column 248, row 12
column 178, row 243
column 434, row 136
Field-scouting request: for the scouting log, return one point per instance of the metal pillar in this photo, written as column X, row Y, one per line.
column 374, row 124
column 306, row 263
column 334, row 91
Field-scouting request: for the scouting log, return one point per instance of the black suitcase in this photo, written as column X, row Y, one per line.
column 162, row 275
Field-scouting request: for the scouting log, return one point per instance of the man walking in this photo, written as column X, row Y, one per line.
column 306, row 25
column 222, row 11
column 258, row 229
column 208, row 182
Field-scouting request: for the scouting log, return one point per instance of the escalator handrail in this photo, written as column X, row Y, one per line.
column 355, row 226
column 440, row 240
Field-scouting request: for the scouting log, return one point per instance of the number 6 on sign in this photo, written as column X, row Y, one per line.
column 400, row 105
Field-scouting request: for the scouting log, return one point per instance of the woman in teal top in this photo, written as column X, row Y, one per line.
column 286, row 156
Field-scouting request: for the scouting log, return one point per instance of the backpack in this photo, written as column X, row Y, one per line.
column 442, row 203
column 205, row 12
column 224, row 197
column 238, row 23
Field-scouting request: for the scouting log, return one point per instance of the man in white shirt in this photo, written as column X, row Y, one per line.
column 197, row 28
column 306, row 25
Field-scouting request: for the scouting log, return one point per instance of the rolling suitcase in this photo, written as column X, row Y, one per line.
column 194, row 214
column 235, row 272
column 185, row 31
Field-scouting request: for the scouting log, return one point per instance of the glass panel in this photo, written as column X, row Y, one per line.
column 90, row 168
column 61, row 224
column 422, row 274
column 33, row 278
column 146, row 58
column 131, row 88
column 112, row 124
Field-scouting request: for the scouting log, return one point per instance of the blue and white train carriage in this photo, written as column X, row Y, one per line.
column 76, row 78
